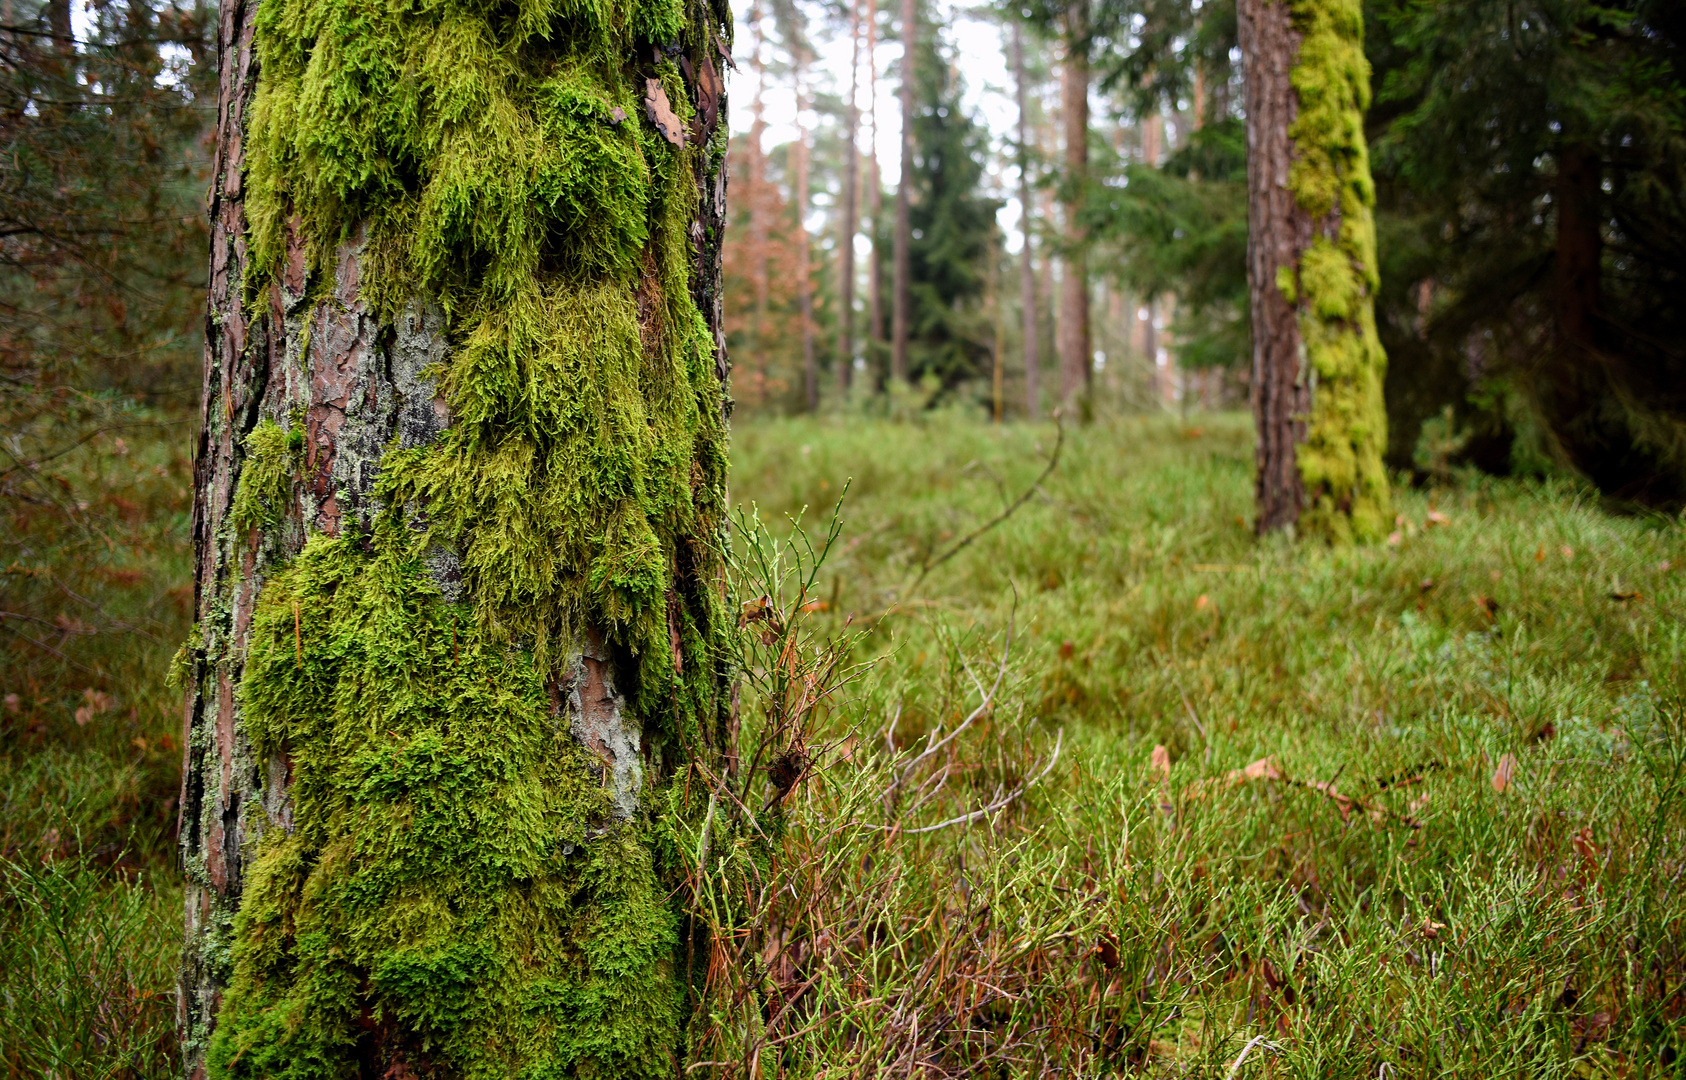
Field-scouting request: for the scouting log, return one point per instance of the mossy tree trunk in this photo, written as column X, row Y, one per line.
column 460, row 489
column 1311, row 269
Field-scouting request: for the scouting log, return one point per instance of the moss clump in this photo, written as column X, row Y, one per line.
column 441, row 889
column 449, row 890
column 1340, row 462
column 274, row 455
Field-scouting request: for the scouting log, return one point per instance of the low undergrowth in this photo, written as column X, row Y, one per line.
column 1118, row 790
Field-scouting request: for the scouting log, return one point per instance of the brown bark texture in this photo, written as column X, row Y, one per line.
column 804, row 269
column 1076, row 356
column 316, row 350
column 1278, row 230
column 1027, row 267
column 875, row 197
column 850, row 222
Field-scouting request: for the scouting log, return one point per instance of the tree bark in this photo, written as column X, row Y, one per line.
column 875, row 201
column 1318, row 365
column 1027, row 268
column 850, row 223
column 1277, row 232
column 804, row 268
column 901, row 299
column 1076, row 355
column 1577, row 265
column 320, row 927
column 759, row 232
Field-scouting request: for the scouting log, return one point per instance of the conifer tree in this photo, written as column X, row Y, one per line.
column 951, row 227
column 460, row 486
column 1311, row 269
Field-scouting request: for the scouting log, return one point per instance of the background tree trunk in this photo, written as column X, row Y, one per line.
column 851, row 207
column 1027, row 268
column 361, row 606
column 1277, row 231
column 901, row 301
column 758, row 204
column 875, row 201
column 1076, row 356
column 804, row 268
column 1311, row 272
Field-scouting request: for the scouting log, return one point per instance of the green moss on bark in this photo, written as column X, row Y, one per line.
column 446, row 885
column 452, row 888
column 1340, row 461
column 274, row 455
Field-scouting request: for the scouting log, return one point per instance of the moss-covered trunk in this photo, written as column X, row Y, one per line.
column 1311, row 269
column 460, row 492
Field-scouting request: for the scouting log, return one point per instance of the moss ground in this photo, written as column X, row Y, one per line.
column 1516, row 637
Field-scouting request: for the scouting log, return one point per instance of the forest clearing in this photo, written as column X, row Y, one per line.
column 796, row 539
column 1413, row 806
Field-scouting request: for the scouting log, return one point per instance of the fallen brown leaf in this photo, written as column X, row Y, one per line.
column 661, row 114
column 1263, row 769
column 1160, row 763
column 1503, row 775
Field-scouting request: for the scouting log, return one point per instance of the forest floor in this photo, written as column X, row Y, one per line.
column 1216, row 807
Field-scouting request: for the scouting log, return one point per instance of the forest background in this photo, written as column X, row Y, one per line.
column 105, row 114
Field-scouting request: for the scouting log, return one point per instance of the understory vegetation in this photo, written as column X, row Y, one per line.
column 1110, row 787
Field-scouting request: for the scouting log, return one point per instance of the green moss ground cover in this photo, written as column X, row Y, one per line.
column 1408, row 917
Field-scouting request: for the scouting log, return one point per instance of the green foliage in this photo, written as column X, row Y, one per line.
column 1340, row 461
column 443, row 846
column 953, row 228
column 1477, row 107
column 1146, row 615
column 86, row 980
column 1182, row 229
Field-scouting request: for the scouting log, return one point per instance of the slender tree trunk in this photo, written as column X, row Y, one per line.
column 1578, row 263
column 1027, row 268
column 1311, row 273
column 1277, row 231
column 997, row 322
column 1048, row 284
column 459, row 636
column 1076, row 356
column 902, row 300
column 851, row 208
column 875, row 197
column 757, row 195
column 804, row 268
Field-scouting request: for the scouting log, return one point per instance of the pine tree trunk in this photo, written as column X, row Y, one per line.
column 901, row 299
column 875, row 202
column 1076, row 355
column 849, row 224
column 804, row 269
column 757, row 193
column 1311, row 272
column 458, row 497
column 1027, row 268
